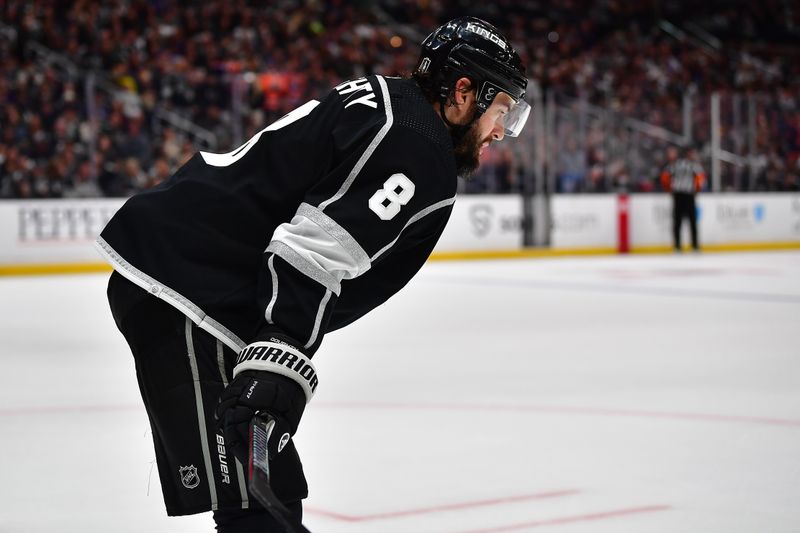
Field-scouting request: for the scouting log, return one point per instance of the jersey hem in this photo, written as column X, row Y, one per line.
column 169, row 295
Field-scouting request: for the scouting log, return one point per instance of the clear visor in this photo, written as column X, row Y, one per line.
column 515, row 119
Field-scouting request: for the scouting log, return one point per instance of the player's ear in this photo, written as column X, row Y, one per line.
column 463, row 90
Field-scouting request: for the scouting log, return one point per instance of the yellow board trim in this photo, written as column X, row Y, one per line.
column 473, row 255
column 53, row 268
column 519, row 254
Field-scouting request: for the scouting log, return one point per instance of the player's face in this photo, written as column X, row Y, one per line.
column 482, row 133
column 490, row 125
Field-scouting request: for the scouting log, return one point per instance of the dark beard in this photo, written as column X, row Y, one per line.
column 466, row 148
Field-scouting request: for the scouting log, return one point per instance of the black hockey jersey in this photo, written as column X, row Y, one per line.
column 314, row 221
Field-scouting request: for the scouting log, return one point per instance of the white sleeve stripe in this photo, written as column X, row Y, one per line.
column 271, row 305
column 336, row 231
column 300, row 263
column 425, row 212
column 338, row 258
column 387, row 104
column 318, row 321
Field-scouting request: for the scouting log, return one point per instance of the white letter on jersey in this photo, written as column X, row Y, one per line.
column 361, row 84
column 224, row 160
column 367, row 100
column 391, row 194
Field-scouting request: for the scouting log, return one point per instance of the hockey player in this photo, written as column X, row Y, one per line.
column 229, row 274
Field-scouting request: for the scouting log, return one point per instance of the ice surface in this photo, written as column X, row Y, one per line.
column 618, row 394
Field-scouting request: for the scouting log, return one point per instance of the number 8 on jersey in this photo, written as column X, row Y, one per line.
column 396, row 192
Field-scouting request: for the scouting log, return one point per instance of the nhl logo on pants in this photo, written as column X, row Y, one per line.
column 189, row 476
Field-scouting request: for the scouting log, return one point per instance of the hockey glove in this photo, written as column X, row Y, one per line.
column 269, row 378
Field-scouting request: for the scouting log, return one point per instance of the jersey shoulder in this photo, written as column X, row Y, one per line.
column 393, row 116
column 411, row 111
column 422, row 132
column 395, row 103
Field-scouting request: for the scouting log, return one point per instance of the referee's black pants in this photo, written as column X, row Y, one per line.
column 683, row 206
column 181, row 371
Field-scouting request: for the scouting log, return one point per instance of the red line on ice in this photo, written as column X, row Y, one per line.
column 593, row 517
column 439, row 508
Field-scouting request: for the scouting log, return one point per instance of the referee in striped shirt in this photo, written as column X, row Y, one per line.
column 683, row 177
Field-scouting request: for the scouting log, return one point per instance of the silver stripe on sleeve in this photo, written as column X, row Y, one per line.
column 387, row 104
column 322, row 250
column 311, row 270
column 172, row 297
column 201, row 416
column 271, row 305
column 425, row 212
column 239, row 469
column 341, row 235
column 318, row 321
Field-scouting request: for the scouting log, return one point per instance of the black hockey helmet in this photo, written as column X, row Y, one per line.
column 472, row 48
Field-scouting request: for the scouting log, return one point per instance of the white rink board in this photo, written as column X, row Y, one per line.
column 487, row 222
column 723, row 218
column 584, row 221
column 651, row 220
column 750, row 218
column 483, row 222
column 53, row 231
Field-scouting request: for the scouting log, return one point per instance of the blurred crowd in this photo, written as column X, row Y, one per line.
column 229, row 68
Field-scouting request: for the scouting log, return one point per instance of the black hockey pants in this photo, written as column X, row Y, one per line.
column 181, row 371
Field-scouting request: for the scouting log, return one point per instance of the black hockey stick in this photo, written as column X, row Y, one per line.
column 261, row 428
